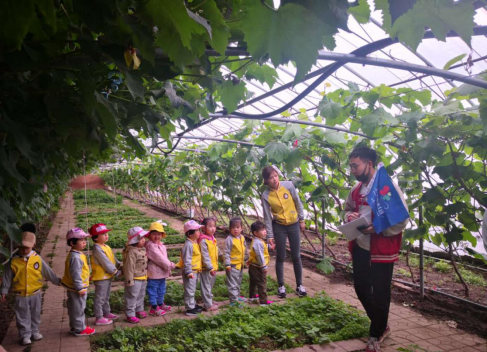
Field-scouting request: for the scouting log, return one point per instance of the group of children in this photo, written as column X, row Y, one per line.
column 145, row 268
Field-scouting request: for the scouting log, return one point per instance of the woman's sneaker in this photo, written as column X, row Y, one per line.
column 373, row 345
column 300, row 291
column 266, row 303
column 193, row 312
column 133, row 320
column 281, row 292
column 103, row 321
column 86, row 332
column 141, row 315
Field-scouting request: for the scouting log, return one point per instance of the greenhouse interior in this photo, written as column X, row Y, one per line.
column 243, row 175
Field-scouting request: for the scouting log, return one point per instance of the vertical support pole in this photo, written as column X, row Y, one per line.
column 421, row 253
column 323, row 236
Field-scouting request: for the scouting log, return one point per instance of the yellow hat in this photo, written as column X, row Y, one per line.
column 157, row 226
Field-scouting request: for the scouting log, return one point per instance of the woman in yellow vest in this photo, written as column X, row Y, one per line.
column 191, row 264
column 77, row 279
column 284, row 219
column 209, row 254
column 104, row 267
column 24, row 274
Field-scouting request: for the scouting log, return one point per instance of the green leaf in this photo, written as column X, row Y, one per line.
column 453, row 61
column 277, row 151
column 377, row 118
column 442, row 16
column 108, row 116
column 221, row 33
column 231, row 95
column 15, row 20
column 293, row 160
column 264, row 74
column 335, row 137
column 291, row 33
column 361, row 12
column 329, row 109
column 292, row 132
column 325, row 266
column 415, row 234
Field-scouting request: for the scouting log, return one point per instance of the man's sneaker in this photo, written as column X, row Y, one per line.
column 266, row 303
column 165, row 307
column 103, row 321
column 141, row 315
column 193, row 312
column 242, row 299
column 26, row 341
column 373, row 345
column 300, row 291
column 385, row 335
column 86, row 332
column 133, row 320
column 157, row 311
column 111, row 316
column 198, row 308
column 281, row 292
column 37, row 336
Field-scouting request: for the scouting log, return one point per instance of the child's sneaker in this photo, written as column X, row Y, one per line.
column 242, row 299
column 141, row 315
column 212, row 308
column 103, row 321
column 111, row 316
column 373, row 345
column 165, row 307
column 281, row 292
column 26, row 341
column 133, row 320
column 300, row 291
column 198, row 308
column 193, row 312
column 157, row 312
column 37, row 336
column 86, row 332
column 266, row 303
column 236, row 304
column 254, row 299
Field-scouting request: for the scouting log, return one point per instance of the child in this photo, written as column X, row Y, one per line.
column 76, row 280
column 135, row 273
column 104, row 268
column 235, row 256
column 258, row 261
column 191, row 264
column 209, row 254
column 159, row 268
column 24, row 273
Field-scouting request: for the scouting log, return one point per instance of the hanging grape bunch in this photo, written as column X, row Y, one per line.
column 115, row 82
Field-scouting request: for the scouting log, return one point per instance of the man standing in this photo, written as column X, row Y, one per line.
column 373, row 254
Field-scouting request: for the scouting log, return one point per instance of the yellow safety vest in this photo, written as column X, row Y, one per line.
column 237, row 254
column 282, row 206
column 27, row 275
column 195, row 260
column 67, row 280
column 253, row 257
column 213, row 252
column 97, row 271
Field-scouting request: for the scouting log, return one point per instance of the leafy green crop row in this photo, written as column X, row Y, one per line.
column 298, row 322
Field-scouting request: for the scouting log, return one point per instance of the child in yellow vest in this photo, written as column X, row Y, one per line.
column 77, row 279
column 24, row 274
column 258, row 262
column 104, row 267
column 191, row 264
column 235, row 257
column 209, row 255
column 135, row 273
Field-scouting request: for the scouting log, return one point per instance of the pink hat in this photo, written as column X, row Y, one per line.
column 191, row 225
column 135, row 234
column 76, row 233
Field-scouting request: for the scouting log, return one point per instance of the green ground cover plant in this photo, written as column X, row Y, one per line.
column 298, row 322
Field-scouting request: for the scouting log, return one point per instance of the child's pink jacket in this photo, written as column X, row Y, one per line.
column 159, row 266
